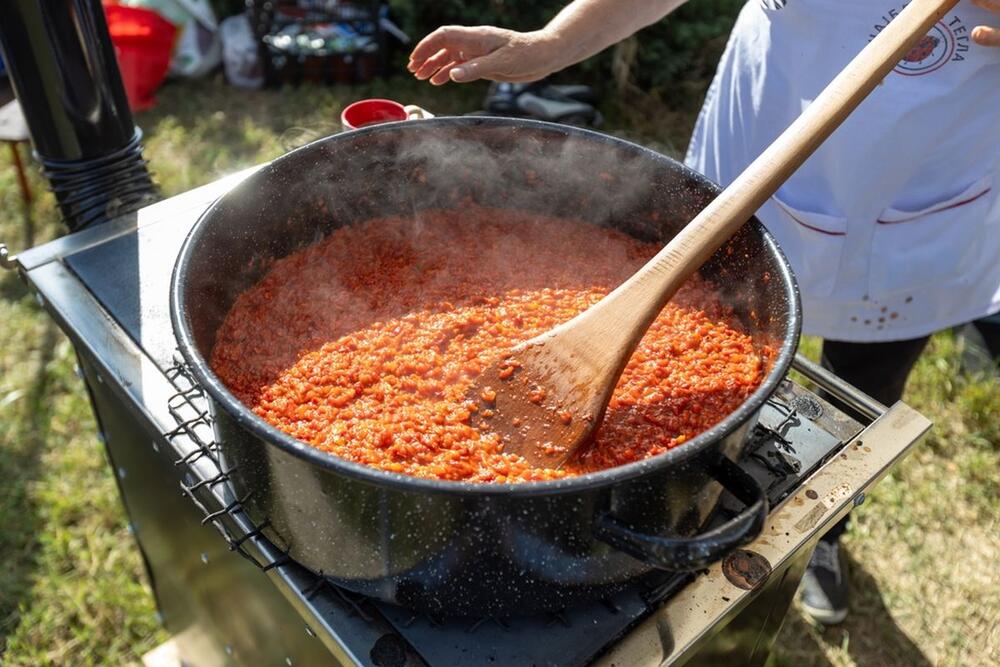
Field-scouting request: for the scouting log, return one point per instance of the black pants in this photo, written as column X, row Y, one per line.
column 880, row 370
column 989, row 329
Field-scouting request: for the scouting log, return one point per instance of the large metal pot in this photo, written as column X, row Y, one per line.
column 462, row 548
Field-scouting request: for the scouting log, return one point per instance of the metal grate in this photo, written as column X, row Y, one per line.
column 205, row 479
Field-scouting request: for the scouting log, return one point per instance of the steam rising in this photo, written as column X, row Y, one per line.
column 575, row 177
column 414, row 167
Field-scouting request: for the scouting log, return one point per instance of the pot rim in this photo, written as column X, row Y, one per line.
column 247, row 419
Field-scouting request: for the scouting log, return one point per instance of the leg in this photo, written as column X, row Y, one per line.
column 22, row 180
column 880, row 370
column 989, row 329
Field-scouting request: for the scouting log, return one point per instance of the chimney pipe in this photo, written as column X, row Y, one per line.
column 61, row 63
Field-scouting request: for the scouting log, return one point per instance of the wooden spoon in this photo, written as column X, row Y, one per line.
column 549, row 394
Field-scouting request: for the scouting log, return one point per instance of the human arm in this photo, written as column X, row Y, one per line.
column 582, row 29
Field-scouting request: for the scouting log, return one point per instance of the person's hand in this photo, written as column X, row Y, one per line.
column 460, row 54
column 985, row 35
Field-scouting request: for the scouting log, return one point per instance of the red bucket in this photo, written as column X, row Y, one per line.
column 144, row 44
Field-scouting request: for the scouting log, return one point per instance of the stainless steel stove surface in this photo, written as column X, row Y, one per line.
column 230, row 596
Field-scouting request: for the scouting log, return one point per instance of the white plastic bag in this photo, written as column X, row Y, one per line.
column 240, row 56
column 198, row 49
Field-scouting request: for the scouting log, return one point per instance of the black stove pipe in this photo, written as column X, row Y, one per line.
column 62, row 65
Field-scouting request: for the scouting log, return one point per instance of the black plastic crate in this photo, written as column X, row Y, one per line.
column 318, row 41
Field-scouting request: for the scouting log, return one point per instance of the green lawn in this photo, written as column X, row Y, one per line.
column 924, row 549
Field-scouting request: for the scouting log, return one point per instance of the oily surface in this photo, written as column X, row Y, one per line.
column 365, row 344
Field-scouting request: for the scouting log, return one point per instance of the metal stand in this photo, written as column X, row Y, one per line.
column 255, row 606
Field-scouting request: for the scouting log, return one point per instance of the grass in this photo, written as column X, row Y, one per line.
column 71, row 589
column 924, row 548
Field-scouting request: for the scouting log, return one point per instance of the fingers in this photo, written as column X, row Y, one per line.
column 443, row 75
column 507, row 64
column 478, row 68
column 443, row 55
column 434, row 63
column 460, row 54
column 439, row 40
column 461, row 42
column 986, row 36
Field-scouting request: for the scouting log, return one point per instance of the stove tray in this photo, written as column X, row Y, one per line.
column 130, row 277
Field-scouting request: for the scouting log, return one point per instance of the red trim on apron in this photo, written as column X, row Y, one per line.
column 934, row 210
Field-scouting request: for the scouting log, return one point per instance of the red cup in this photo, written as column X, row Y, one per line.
column 371, row 112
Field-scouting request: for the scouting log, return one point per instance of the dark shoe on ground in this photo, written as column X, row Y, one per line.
column 542, row 102
column 824, row 587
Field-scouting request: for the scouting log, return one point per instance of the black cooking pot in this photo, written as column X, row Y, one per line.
column 462, row 548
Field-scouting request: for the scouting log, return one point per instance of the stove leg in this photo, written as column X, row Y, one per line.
column 220, row 608
column 749, row 637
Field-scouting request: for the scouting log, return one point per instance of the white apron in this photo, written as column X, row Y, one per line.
column 893, row 226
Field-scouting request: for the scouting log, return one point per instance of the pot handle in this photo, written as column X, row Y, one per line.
column 693, row 553
column 413, row 112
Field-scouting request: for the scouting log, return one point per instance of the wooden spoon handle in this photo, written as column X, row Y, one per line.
column 651, row 287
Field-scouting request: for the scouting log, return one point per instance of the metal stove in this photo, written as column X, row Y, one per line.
column 230, row 596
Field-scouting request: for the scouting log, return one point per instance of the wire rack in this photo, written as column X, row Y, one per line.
column 205, row 478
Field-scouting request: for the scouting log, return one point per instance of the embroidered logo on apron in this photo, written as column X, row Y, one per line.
column 947, row 42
